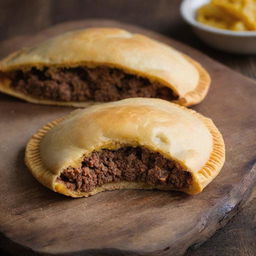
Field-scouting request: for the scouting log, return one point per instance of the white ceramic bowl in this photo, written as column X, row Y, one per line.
column 231, row 41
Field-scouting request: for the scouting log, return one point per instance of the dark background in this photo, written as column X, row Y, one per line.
column 19, row 17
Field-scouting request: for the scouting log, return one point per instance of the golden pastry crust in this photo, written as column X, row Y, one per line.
column 175, row 132
column 133, row 53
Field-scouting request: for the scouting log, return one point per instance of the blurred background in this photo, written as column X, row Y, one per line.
column 30, row 16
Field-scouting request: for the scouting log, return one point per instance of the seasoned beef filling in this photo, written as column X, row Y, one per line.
column 125, row 164
column 86, row 84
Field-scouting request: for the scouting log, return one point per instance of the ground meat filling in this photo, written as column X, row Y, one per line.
column 100, row 84
column 125, row 164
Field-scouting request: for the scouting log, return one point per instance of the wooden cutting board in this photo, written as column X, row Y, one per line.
column 34, row 219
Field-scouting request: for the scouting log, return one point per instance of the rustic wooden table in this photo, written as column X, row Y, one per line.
column 25, row 17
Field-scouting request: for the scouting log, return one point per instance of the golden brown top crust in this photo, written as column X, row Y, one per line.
column 157, row 125
column 174, row 131
column 134, row 53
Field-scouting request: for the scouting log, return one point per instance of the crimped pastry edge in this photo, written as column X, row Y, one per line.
column 200, row 179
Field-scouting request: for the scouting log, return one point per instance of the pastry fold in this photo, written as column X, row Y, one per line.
column 101, row 65
column 133, row 143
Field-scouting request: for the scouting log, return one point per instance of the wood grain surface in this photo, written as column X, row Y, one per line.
column 36, row 220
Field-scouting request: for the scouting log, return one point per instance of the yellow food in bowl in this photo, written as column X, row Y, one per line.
column 236, row 15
